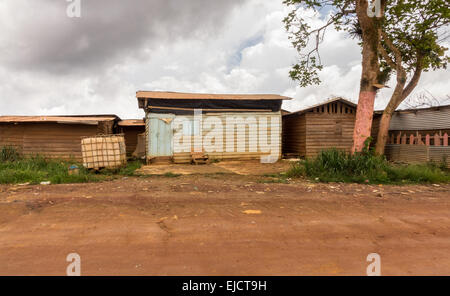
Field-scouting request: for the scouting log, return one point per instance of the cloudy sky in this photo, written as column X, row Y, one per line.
column 52, row 64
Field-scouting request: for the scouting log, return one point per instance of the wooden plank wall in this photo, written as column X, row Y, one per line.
column 375, row 128
column 48, row 139
column 294, row 135
column 327, row 126
column 185, row 157
column 12, row 135
column 328, row 130
column 131, row 137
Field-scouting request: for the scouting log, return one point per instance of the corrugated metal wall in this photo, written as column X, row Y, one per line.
column 407, row 153
column 418, row 154
column 233, row 144
column 440, row 154
column 431, row 119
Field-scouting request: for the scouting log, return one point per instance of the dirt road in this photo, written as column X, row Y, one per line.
column 197, row 225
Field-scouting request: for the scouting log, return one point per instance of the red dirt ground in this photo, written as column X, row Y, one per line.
column 196, row 225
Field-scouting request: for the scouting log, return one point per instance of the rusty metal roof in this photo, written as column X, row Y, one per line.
column 132, row 122
column 74, row 119
column 195, row 96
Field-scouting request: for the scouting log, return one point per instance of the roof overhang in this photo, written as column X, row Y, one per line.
column 198, row 96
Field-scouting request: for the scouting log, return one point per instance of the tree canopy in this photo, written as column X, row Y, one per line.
column 416, row 28
column 401, row 37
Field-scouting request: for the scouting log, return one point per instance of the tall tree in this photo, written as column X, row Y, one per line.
column 374, row 22
column 410, row 43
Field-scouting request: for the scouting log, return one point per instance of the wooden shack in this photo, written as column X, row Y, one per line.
column 131, row 129
column 53, row 136
column 222, row 126
column 327, row 125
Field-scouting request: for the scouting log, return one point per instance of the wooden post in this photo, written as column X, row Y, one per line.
column 445, row 139
column 404, row 139
column 427, row 140
column 437, row 140
column 399, row 138
column 419, row 139
column 411, row 139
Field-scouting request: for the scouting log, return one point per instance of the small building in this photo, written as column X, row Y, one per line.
column 412, row 126
column 223, row 126
column 131, row 129
column 53, row 136
column 327, row 125
column 417, row 135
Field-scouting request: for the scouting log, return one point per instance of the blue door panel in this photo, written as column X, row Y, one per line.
column 160, row 135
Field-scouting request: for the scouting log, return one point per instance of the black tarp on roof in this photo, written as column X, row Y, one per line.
column 185, row 106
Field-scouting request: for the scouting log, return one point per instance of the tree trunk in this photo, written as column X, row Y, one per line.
column 369, row 77
column 364, row 117
column 393, row 104
column 383, row 131
column 399, row 95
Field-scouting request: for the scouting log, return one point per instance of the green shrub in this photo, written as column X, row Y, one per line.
column 9, row 153
column 338, row 166
column 443, row 163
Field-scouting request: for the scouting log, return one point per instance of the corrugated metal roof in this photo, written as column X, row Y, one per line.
column 76, row 119
column 414, row 109
column 421, row 119
column 194, row 96
column 132, row 122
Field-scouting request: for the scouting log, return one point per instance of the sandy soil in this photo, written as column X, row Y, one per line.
column 197, row 225
column 247, row 168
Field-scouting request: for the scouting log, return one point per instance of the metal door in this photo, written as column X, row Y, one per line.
column 160, row 135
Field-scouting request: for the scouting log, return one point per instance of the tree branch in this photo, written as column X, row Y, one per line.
column 394, row 49
column 415, row 79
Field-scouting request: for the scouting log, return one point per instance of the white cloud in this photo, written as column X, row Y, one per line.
column 54, row 65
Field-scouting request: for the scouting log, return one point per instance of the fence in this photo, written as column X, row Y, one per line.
column 418, row 153
column 438, row 139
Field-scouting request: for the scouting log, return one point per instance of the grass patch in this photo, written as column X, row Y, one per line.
column 274, row 181
column 429, row 173
column 171, row 175
column 128, row 170
column 338, row 166
column 297, row 170
column 37, row 169
column 280, row 178
column 15, row 169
